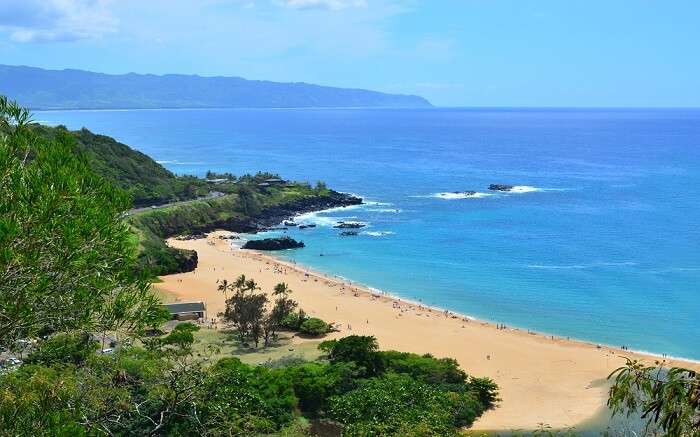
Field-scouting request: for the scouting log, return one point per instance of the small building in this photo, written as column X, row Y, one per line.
column 275, row 181
column 186, row 310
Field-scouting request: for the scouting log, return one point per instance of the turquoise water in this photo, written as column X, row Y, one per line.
column 601, row 242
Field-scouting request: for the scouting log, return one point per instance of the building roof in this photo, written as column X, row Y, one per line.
column 185, row 307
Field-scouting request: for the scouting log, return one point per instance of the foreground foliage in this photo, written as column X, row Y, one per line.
column 66, row 257
column 669, row 399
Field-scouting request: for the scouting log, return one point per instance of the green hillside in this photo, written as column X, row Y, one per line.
column 187, row 204
column 148, row 182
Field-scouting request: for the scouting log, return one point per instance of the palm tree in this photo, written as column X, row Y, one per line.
column 224, row 286
column 251, row 285
column 240, row 283
column 282, row 288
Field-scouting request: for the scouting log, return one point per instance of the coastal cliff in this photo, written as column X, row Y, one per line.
column 247, row 211
column 167, row 205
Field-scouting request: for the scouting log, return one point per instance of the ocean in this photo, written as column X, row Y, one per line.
column 600, row 240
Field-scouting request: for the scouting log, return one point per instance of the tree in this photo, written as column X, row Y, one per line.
column 249, row 203
column 63, row 348
column 239, row 283
column 66, row 257
column 224, row 287
column 321, row 187
column 358, row 349
column 394, row 405
column 282, row 289
column 282, row 308
column 667, row 398
column 314, row 327
column 246, row 312
column 251, row 285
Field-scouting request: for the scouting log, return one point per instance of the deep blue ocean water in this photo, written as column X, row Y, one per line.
column 602, row 243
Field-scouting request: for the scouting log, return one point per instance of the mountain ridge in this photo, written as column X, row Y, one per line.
column 43, row 89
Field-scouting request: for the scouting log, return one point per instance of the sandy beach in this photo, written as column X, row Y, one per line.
column 542, row 379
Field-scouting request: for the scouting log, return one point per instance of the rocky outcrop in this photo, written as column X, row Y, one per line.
column 187, row 260
column 348, row 233
column 500, row 187
column 277, row 214
column 349, row 225
column 281, row 243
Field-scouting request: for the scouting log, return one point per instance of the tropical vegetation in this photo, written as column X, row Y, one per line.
column 73, row 309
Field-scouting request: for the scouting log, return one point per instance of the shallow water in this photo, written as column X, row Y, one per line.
column 598, row 242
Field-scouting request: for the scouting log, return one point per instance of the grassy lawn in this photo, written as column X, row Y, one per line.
column 164, row 295
column 218, row 344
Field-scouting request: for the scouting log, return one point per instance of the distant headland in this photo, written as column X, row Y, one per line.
column 38, row 88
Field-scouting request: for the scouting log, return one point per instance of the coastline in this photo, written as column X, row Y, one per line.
column 397, row 297
column 543, row 378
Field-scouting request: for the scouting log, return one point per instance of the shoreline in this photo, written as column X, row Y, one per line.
column 382, row 293
column 393, row 295
column 542, row 378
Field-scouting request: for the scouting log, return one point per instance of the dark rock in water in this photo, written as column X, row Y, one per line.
column 348, row 233
column 275, row 215
column 466, row 193
column 306, row 226
column 281, row 243
column 349, row 225
column 500, row 187
column 289, row 223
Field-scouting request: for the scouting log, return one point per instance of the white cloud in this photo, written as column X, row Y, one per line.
column 333, row 5
column 55, row 20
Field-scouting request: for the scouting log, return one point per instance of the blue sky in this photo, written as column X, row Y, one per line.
column 454, row 52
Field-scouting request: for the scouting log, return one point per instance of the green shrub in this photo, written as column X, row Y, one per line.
column 424, row 368
column 392, row 404
column 72, row 348
column 293, row 321
column 314, row 327
column 361, row 350
column 314, row 383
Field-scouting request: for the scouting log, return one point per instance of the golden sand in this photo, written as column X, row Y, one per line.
column 542, row 379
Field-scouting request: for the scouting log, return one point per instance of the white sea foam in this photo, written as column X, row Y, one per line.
column 455, row 196
column 315, row 219
column 521, row 189
column 378, row 233
column 319, row 218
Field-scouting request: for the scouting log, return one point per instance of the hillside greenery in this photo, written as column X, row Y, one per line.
column 66, row 256
column 238, row 210
column 193, row 204
column 148, row 182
